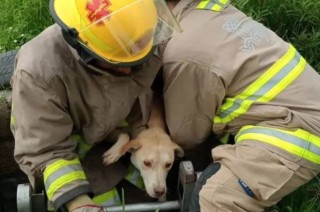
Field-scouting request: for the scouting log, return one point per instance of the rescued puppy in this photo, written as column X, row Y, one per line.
column 152, row 153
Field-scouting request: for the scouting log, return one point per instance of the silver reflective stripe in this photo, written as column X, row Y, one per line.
column 108, row 198
column 284, row 137
column 135, row 176
column 265, row 88
column 61, row 172
column 212, row 3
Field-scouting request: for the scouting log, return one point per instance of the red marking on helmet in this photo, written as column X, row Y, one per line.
column 98, row 10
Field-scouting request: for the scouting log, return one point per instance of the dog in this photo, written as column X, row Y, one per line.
column 152, row 153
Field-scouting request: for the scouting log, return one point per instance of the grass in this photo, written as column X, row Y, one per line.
column 305, row 199
column 295, row 21
column 21, row 20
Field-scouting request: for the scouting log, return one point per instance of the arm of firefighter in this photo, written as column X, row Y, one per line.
column 192, row 96
column 42, row 129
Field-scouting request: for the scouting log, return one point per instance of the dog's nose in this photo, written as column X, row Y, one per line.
column 159, row 191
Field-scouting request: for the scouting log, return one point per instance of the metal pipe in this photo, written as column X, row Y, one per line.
column 152, row 206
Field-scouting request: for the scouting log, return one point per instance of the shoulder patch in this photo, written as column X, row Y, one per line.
column 214, row 5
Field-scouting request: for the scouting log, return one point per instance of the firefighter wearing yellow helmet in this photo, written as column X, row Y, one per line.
column 117, row 32
column 67, row 98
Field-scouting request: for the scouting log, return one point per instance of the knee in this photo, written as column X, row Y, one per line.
column 217, row 197
column 222, row 192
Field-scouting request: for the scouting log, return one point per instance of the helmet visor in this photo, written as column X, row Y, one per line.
column 119, row 31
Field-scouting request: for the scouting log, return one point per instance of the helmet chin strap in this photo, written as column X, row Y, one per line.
column 85, row 56
column 70, row 37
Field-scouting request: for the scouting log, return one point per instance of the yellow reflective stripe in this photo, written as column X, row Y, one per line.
column 263, row 79
column 224, row 1
column 134, row 177
column 59, row 164
column 12, row 120
column 64, row 180
column 124, row 123
column 307, row 136
column 82, row 147
column 300, row 143
column 60, row 173
column 225, row 138
column 299, row 133
column 216, row 7
column 81, row 142
column 203, row 4
column 109, row 198
column 287, row 80
column 300, row 152
column 265, row 88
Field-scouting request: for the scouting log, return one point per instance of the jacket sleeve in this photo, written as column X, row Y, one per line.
column 44, row 147
column 193, row 94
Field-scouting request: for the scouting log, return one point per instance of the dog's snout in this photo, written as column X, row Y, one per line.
column 159, row 191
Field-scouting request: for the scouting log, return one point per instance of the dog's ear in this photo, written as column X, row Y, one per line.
column 131, row 146
column 178, row 150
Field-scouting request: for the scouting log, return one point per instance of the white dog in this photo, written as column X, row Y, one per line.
column 152, row 152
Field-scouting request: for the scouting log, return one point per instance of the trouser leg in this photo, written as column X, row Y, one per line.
column 207, row 173
column 222, row 192
column 269, row 176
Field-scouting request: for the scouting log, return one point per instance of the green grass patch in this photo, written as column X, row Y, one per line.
column 21, row 20
column 305, row 199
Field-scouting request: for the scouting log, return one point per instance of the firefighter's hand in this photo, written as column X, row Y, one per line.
column 83, row 203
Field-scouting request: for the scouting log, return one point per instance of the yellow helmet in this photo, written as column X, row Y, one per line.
column 121, row 32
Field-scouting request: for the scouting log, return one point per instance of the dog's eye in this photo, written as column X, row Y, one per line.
column 147, row 163
column 168, row 165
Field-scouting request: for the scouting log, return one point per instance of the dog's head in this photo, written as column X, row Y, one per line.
column 153, row 153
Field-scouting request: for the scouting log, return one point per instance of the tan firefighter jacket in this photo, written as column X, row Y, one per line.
column 227, row 73
column 62, row 107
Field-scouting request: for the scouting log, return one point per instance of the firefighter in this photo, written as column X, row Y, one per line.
column 240, row 80
column 74, row 84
